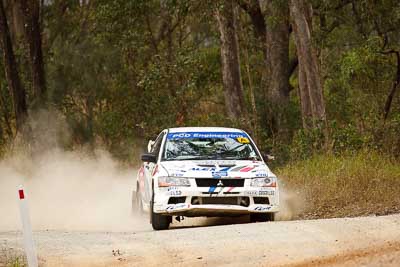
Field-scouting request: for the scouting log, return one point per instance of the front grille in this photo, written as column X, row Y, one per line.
column 209, row 182
column 242, row 201
column 176, row 200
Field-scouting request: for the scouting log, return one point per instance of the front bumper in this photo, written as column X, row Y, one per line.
column 215, row 209
column 187, row 207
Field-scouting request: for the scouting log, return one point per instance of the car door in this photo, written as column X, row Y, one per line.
column 150, row 168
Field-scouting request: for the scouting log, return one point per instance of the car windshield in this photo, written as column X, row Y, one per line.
column 208, row 146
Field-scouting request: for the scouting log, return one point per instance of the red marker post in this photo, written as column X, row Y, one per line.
column 27, row 230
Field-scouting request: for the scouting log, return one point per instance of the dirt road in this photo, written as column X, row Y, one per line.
column 367, row 241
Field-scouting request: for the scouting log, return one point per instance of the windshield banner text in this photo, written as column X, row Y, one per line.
column 206, row 135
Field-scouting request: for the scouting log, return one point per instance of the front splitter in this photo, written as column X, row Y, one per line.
column 190, row 210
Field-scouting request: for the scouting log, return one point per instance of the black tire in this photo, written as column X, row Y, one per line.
column 158, row 221
column 262, row 217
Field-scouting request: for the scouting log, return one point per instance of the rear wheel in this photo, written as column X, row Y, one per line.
column 158, row 221
column 262, row 217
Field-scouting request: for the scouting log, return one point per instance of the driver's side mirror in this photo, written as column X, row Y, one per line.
column 148, row 157
column 150, row 145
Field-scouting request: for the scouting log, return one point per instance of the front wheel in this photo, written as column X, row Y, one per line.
column 262, row 217
column 158, row 221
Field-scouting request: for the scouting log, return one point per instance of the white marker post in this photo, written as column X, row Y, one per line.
column 27, row 230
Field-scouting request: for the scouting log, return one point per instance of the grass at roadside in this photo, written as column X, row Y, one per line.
column 355, row 184
column 11, row 258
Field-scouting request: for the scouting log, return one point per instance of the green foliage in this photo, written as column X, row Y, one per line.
column 120, row 71
column 347, row 138
column 305, row 143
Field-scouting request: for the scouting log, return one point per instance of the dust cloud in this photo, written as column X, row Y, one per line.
column 76, row 190
column 66, row 190
column 291, row 204
column 82, row 190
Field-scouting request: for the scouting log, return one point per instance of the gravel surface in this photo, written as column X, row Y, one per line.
column 365, row 241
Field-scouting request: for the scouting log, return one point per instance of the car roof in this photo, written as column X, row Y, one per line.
column 203, row 129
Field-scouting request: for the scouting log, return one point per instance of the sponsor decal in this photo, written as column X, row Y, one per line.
column 211, row 189
column 177, row 206
column 260, row 193
column 247, row 169
column 218, row 162
column 233, row 135
column 177, row 174
column 155, row 170
column 243, row 140
column 266, row 193
column 262, row 208
column 174, row 191
column 219, row 174
column 172, row 188
column 237, row 168
column 230, row 189
column 141, row 171
column 261, row 174
column 215, row 172
column 203, row 169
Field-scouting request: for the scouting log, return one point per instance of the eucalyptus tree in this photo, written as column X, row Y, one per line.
column 11, row 72
column 226, row 15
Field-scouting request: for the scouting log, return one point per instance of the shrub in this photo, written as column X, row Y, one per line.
column 351, row 184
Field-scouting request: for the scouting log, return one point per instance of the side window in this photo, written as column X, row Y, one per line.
column 157, row 145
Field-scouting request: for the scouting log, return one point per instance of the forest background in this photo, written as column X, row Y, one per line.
column 315, row 83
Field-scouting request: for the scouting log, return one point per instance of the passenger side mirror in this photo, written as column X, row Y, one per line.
column 268, row 157
column 148, row 157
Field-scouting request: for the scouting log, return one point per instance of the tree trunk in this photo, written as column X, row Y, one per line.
column 278, row 65
column 31, row 16
column 6, row 115
column 11, row 72
column 278, row 52
column 16, row 24
column 231, row 77
column 253, row 9
column 308, row 64
column 306, row 113
column 274, row 37
column 396, row 85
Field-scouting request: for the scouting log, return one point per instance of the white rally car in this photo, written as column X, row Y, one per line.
column 204, row 171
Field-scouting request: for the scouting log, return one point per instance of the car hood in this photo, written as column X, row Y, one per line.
column 215, row 169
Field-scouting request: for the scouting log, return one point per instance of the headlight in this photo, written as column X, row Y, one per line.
column 173, row 181
column 263, row 182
